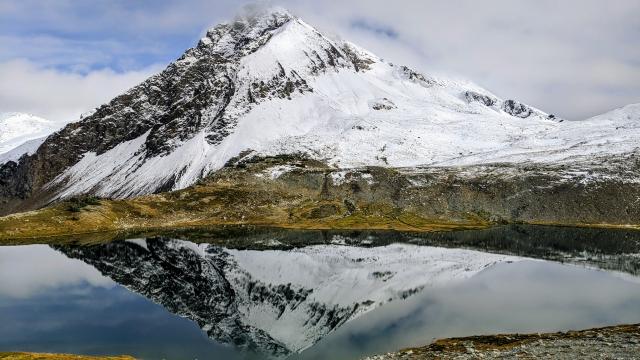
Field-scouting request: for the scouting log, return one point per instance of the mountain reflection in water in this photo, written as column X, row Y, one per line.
column 277, row 302
column 286, row 299
column 247, row 293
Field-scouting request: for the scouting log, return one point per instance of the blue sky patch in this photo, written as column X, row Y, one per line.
column 376, row 28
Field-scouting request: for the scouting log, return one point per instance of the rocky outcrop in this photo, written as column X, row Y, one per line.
column 515, row 108
column 383, row 104
column 614, row 342
column 581, row 193
column 486, row 100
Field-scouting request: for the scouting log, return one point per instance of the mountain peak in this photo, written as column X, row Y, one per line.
column 246, row 32
column 292, row 45
column 254, row 15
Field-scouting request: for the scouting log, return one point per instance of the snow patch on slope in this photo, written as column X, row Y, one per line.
column 16, row 129
column 26, row 148
column 612, row 133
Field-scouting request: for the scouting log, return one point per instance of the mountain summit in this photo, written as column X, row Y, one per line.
column 270, row 84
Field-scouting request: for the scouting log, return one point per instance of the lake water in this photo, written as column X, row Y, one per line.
column 247, row 294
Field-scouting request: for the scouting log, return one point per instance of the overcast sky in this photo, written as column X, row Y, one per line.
column 575, row 58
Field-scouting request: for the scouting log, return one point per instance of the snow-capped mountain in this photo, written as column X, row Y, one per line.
column 252, row 300
column 22, row 134
column 271, row 84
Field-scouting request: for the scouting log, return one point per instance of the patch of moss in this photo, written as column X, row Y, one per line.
column 76, row 204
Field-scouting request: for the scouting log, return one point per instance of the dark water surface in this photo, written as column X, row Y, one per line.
column 249, row 295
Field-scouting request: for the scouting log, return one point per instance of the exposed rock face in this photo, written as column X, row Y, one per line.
column 581, row 193
column 515, row 108
column 472, row 96
column 296, row 193
column 383, row 104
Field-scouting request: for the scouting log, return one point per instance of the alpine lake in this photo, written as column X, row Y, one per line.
column 256, row 293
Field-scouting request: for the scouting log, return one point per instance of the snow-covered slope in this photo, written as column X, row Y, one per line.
column 271, row 84
column 22, row 134
column 278, row 302
column 27, row 148
column 612, row 133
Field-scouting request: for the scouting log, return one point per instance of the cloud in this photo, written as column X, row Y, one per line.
column 377, row 29
column 76, row 55
column 575, row 58
column 45, row 269
column 60, row 95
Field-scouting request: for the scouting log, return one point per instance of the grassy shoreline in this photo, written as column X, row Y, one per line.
column 110, row 218
column 308, row 198
column 114, row 234
column 48, row 356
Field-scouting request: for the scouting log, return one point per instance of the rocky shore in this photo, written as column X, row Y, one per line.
column 615, row 342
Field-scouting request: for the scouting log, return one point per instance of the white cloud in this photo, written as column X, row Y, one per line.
column 575, row 58
column 28, row 270
column 59, row 95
